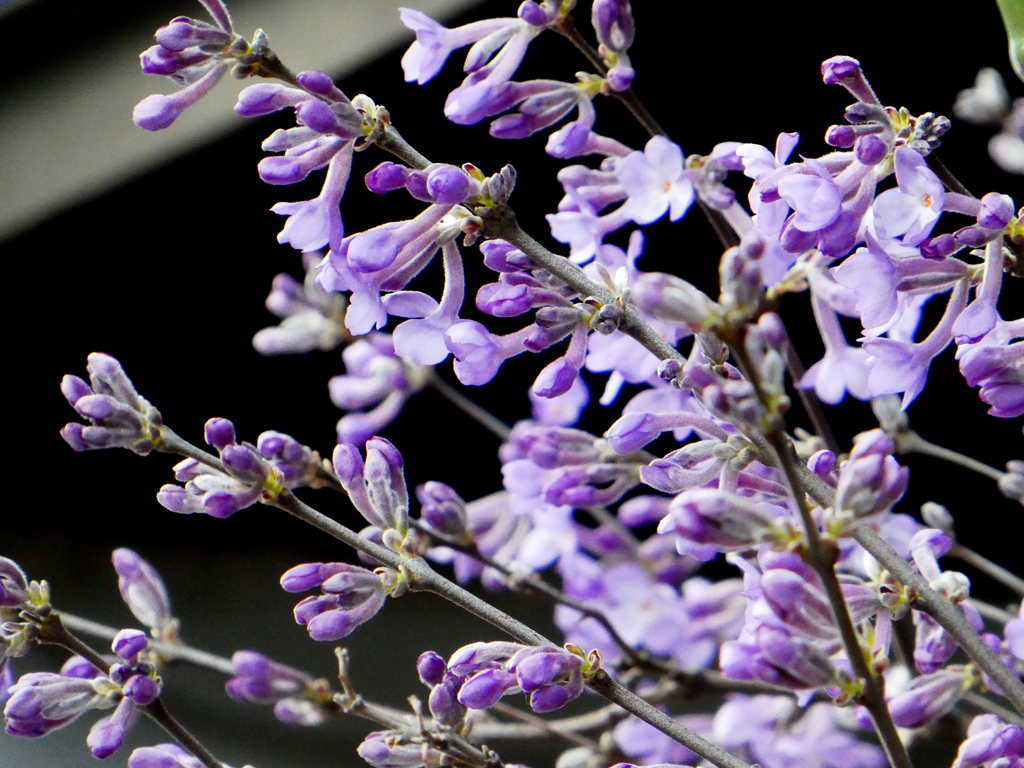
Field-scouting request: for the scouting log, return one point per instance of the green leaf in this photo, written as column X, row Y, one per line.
column 1012, row 12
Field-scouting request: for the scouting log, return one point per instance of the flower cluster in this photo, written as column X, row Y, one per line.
column 847, row 616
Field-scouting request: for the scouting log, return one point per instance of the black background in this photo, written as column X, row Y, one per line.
column 168, row 274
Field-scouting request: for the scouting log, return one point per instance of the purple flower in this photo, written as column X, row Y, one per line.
column 723, row 520
column 913, row 208
column 656, row 182
column 311, row 317
column 41, row 702
column 14, row 587
column 871, row 480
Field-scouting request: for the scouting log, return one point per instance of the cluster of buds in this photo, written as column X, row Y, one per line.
column 41, row 702
column 478, row 675
column 350, row 596
column 120, row 417
column 244, row 478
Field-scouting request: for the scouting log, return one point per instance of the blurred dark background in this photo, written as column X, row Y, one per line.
column 167, row 270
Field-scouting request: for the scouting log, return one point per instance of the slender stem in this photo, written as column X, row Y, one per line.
column 533, row 583
column 168, row 651
column 545, row 727
column 945, row 614
column 495, row 731
column 158, row 712
column 603, row 684
column 909, row 441
column 810, row 401
column 822, row 559
column 481, row 415
column 54, row 632
column 987, row 705
column 948, row 616
column 427, row 580
column 986, row 566
column 991, row 612
column 945, row 176
column 567, row 29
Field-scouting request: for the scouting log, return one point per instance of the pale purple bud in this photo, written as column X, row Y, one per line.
column 219, row 433
column 478, row 656
column 297, row 464
column 163, row 756
column 143, row 590
column 245, row 464
column 259, row 680
column 937, row 516
column 822, row 463
column 265, row 98
column 316, row 82
column 870, row 150
column 991, row 742
column 142, row 689
column 386, row 177
column 671, row 299
column 613, row 23
column 719, row 519
column 447, row 185
column 802, row 660
column 129, row 643
column 185, row 33
column 385, row 483
column 996, row 211
column 502, row 256
column 846, row 71
column 534, row 14
column 552, row 677
column 13, row 584
column 41, row 702
column 442, row 509
column 383, row 750
column 308, row 575
column 871, row 480
column 444, row 701
column 483, row 689
column 107, row 734
column 928, row 697
column 842, row 136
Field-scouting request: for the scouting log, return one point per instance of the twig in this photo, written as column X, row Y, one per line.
column 485, row 418
column 986, row 566
column 908, row 441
